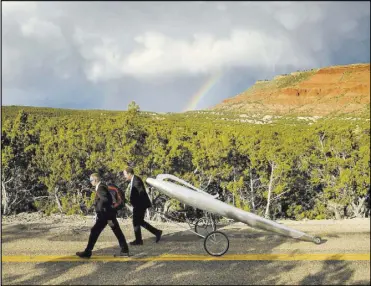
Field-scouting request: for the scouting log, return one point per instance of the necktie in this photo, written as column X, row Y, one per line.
column 128, row 191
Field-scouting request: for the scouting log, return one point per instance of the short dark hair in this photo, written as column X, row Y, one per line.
column 129, row 170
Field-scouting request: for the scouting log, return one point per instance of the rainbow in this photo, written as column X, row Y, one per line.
column 205, row 88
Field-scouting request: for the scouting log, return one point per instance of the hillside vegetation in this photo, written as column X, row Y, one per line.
column 285, row 168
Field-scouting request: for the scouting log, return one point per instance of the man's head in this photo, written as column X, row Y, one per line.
column 94, row 179
column 128, row 173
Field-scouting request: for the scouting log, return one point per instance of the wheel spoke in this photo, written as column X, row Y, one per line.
column 216, row 243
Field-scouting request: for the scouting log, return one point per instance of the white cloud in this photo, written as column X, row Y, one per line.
column 293, row 16
column 41, row 29
column 10, row 57
column 221, row 6
column 204, row 54
column 133, row 45
column 18, row 7
column 348, row 26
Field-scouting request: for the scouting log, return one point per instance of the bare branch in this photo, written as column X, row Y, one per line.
column 40, row 197
column 11, row 179
column 276, row 197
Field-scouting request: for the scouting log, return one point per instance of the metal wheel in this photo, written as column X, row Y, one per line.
column 216, row 243
column 204, row 226
column 317, row 240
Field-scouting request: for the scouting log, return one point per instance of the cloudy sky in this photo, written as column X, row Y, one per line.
column 168, row 56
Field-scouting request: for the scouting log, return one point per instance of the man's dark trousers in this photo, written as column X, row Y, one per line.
column 100, row 224
column 138, row 221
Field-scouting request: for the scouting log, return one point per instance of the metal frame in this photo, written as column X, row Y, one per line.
column 209, row 217
column 199, row 199
column 192, row 226
column 209, row 237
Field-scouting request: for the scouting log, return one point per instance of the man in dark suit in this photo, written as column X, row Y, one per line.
column 140, row 201
column 105, row 215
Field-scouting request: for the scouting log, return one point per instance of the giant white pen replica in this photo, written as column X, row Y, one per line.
column 192, row 196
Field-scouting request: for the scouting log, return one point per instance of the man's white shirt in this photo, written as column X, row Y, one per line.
column 129, row 188
column 96, row 187
column 131, row 184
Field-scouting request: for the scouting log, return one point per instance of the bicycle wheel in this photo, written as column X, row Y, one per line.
column 216, row 243
column 317, row 240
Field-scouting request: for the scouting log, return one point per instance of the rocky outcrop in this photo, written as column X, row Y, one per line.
column 341, row 89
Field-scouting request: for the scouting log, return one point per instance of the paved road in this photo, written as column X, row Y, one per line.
column 35, row 254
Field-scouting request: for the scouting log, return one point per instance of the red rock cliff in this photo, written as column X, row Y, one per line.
column 344, row 89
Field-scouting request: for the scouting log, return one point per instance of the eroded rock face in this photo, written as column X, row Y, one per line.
column 344, row 89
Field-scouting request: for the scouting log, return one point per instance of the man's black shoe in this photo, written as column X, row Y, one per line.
column 84, row 254
column 158, row 236
column 124, row 252
column 136, row 242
